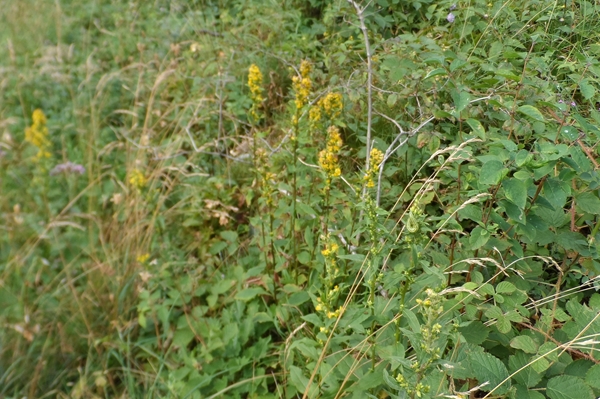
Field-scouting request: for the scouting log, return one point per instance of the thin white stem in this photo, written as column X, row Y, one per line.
column 365, row 32
column 392, row 148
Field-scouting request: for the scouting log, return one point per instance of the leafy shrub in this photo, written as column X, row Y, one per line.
column 314, row 199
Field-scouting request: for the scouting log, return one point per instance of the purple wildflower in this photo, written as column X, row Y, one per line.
column 573, row 104
column 560, row 101
column 453, row 7
column 67, row 168
column 450, row 17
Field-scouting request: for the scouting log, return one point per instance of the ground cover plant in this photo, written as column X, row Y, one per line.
column 299, row 199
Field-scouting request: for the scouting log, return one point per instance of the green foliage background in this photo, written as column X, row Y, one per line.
column 205, row 252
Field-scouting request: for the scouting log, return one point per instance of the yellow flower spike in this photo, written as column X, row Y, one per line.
column 314, row 115
column 302, row 84
column 38, row 117
column 376, row 157
column 37, row 134
column 328, row 158
column 305, row 68
column 332, row 104
column 255, row 79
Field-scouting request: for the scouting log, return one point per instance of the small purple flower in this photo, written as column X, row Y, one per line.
column 453, row 7
column 450, row 17
column 573, row 104
column 560, row 101
column 67, row 168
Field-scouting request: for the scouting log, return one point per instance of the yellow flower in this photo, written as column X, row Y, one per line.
column 314, row 115
column 137, row 179
column 37, row 134
column 305, row 68
column 255, row 79
column 375, row 159
column 332, row 104
column 328, row 158
column 302, row 84
column 334, row 314
column 143, row 258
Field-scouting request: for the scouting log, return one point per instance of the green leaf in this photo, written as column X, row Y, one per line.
column 593, row 376
column 491, row 172
column 569, row 132
column 461, row 100
column 298, row 298
column 587, row 90
column 505, row 287
column 503, row 325
column 249, row 293
column 479, row 236
column 516, row 191
column 524, row 393
column 522, row 157
column 556, row 193
column 300, row 382
column 477, row 128
column 540, row 365
column 487, row 368
column 525, row 343
column 588, row 202
column 513, row 211
column 475, row 332
column 532, row 112
column 183, row 336
column 391, row 100
column 527, row 375
column 568, row 387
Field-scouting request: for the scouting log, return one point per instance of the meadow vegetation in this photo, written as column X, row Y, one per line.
column 299, row 199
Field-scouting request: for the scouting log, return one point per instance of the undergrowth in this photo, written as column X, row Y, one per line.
column 299, row 199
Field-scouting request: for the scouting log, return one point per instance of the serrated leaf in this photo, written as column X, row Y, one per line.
column 527, row 376
column 532, row 112
column 503, row 325
column 525, row 343
column 491, row 172
column 588, row 202
column 587, row 90
column 487, row 368
column 474, row 333
column 592, row 377
column 524, row 393
column 516, row 191
column 540, row 365
column 556, row 193
column 505, row 287
column 568, row 387
column 477, row 128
